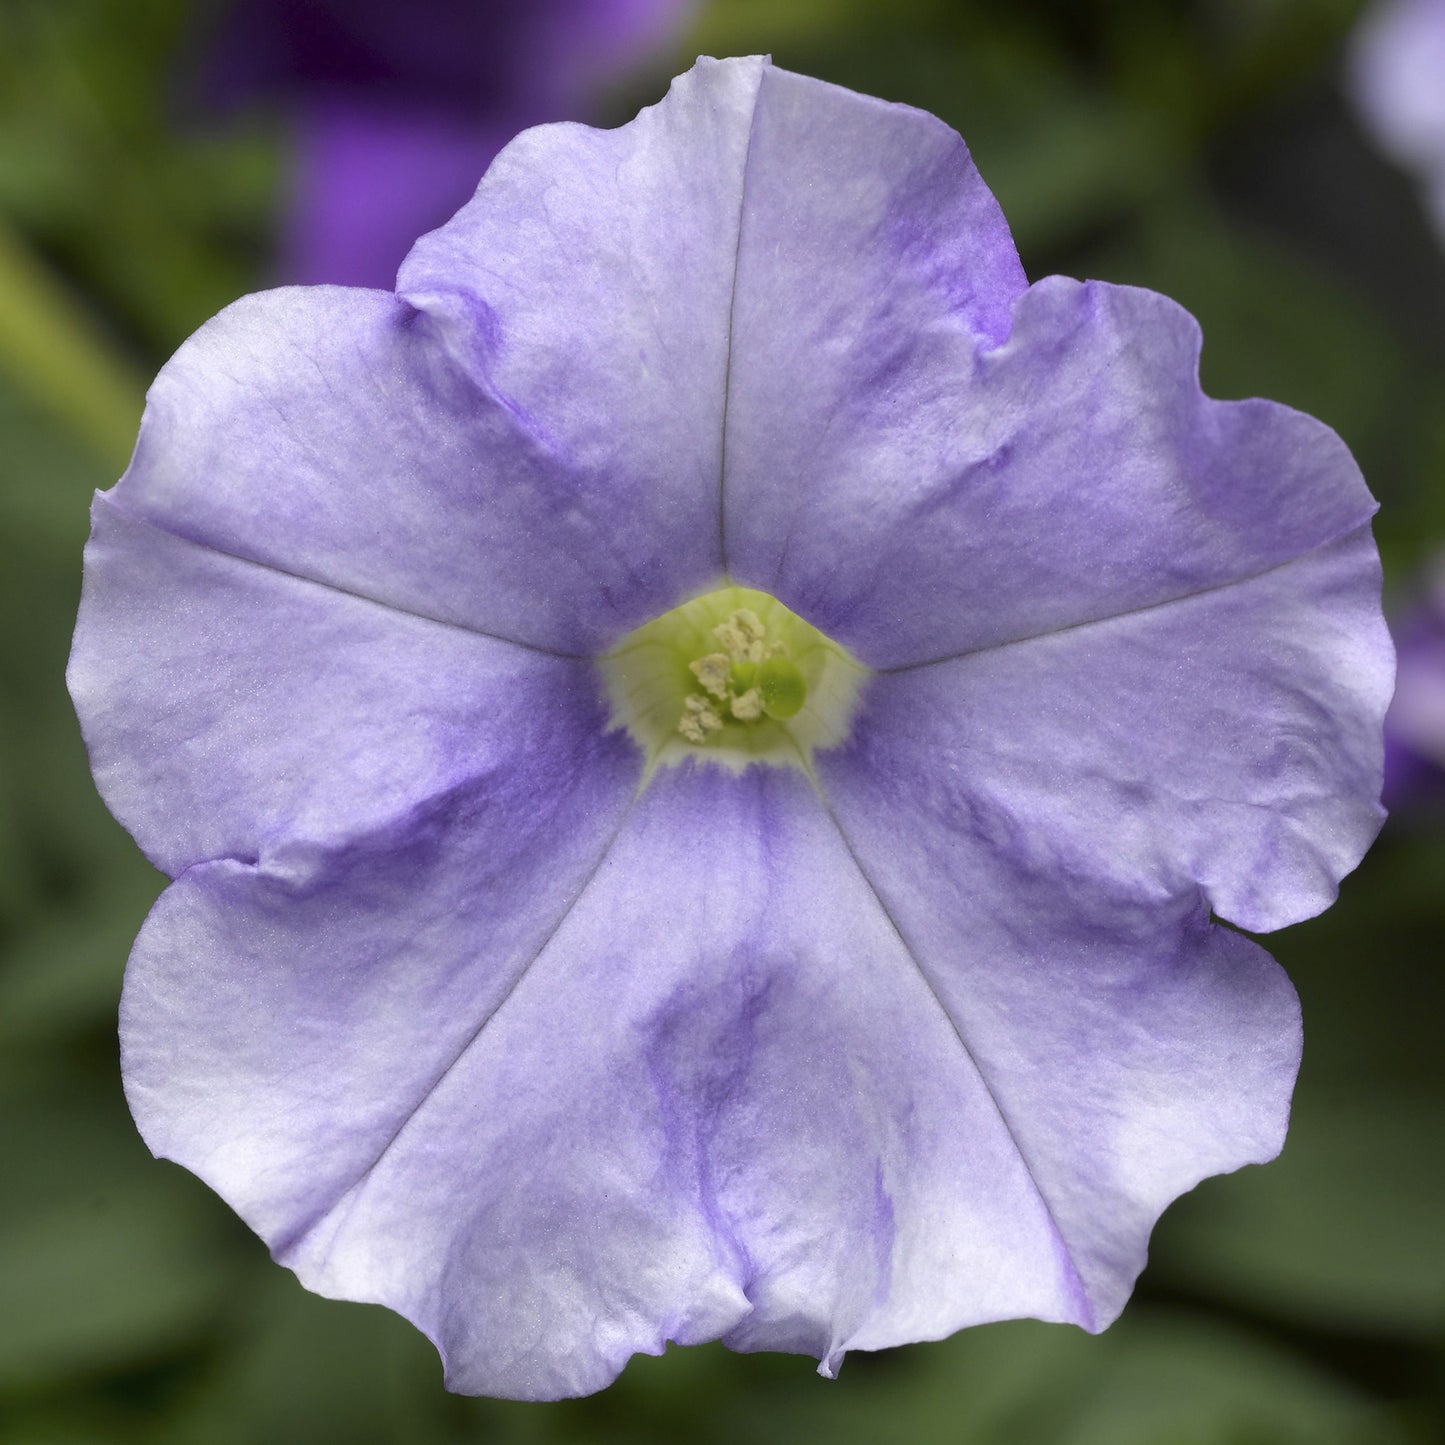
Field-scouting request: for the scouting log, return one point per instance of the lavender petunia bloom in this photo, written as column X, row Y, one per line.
column 398, row 108
column 1397, row 77
column 697, row 744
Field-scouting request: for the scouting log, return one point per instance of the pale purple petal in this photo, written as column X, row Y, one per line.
column 1073, row 472
column 1133, row 1046
column 340, row 441
column 546, row 472
column 809, row 1123
column 872, row 264
column 1229, row 741
column 232, row 710
column 589, row 285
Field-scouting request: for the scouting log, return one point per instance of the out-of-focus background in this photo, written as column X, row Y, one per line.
column 158, row 159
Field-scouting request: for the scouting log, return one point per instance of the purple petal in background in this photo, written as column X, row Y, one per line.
column 1415, row 724
column 369, row 178
column 457, row 55
column 397, row 109
column 1397, row 77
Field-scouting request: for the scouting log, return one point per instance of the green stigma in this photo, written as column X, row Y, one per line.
column 735, row 677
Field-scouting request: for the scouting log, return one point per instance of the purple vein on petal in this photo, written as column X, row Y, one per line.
column 207, row 546
column 288, row 1241
column 1142, row 610
column 722, row 473
column 1080, row 1291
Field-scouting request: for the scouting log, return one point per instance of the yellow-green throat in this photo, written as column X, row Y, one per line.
column 732, row 677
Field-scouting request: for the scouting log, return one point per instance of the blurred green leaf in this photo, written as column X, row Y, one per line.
column 1175, row 1379
column 161, row 219
column 63, row 975
column 304, row 1369
column 106, row 1257
column 1413, row 519
column 52, row 348
column 296, row 1367
column 1369, row 976
column 59, row 849
column 1156, row 1376
column 75, row 1422
column 86, row 1284
column 753, row 27
column 1342, row 1230
column 50, row 476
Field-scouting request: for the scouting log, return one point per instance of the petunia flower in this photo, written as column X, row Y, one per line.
column 398, row 108
column 499, row 985
column 1397, row 79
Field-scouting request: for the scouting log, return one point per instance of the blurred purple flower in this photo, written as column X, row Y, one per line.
column 1397, row 76
column 398, row 108
column 472, row 1007
column 1415, row 723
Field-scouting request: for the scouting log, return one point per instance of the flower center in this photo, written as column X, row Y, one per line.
column 732, row 677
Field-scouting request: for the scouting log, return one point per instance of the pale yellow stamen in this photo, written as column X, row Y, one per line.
column 712, row 672
column 748, row 706
column 698, row 718
column 745, row 679
column 742, row 635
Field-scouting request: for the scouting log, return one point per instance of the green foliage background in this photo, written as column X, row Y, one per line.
column 1203, row 149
